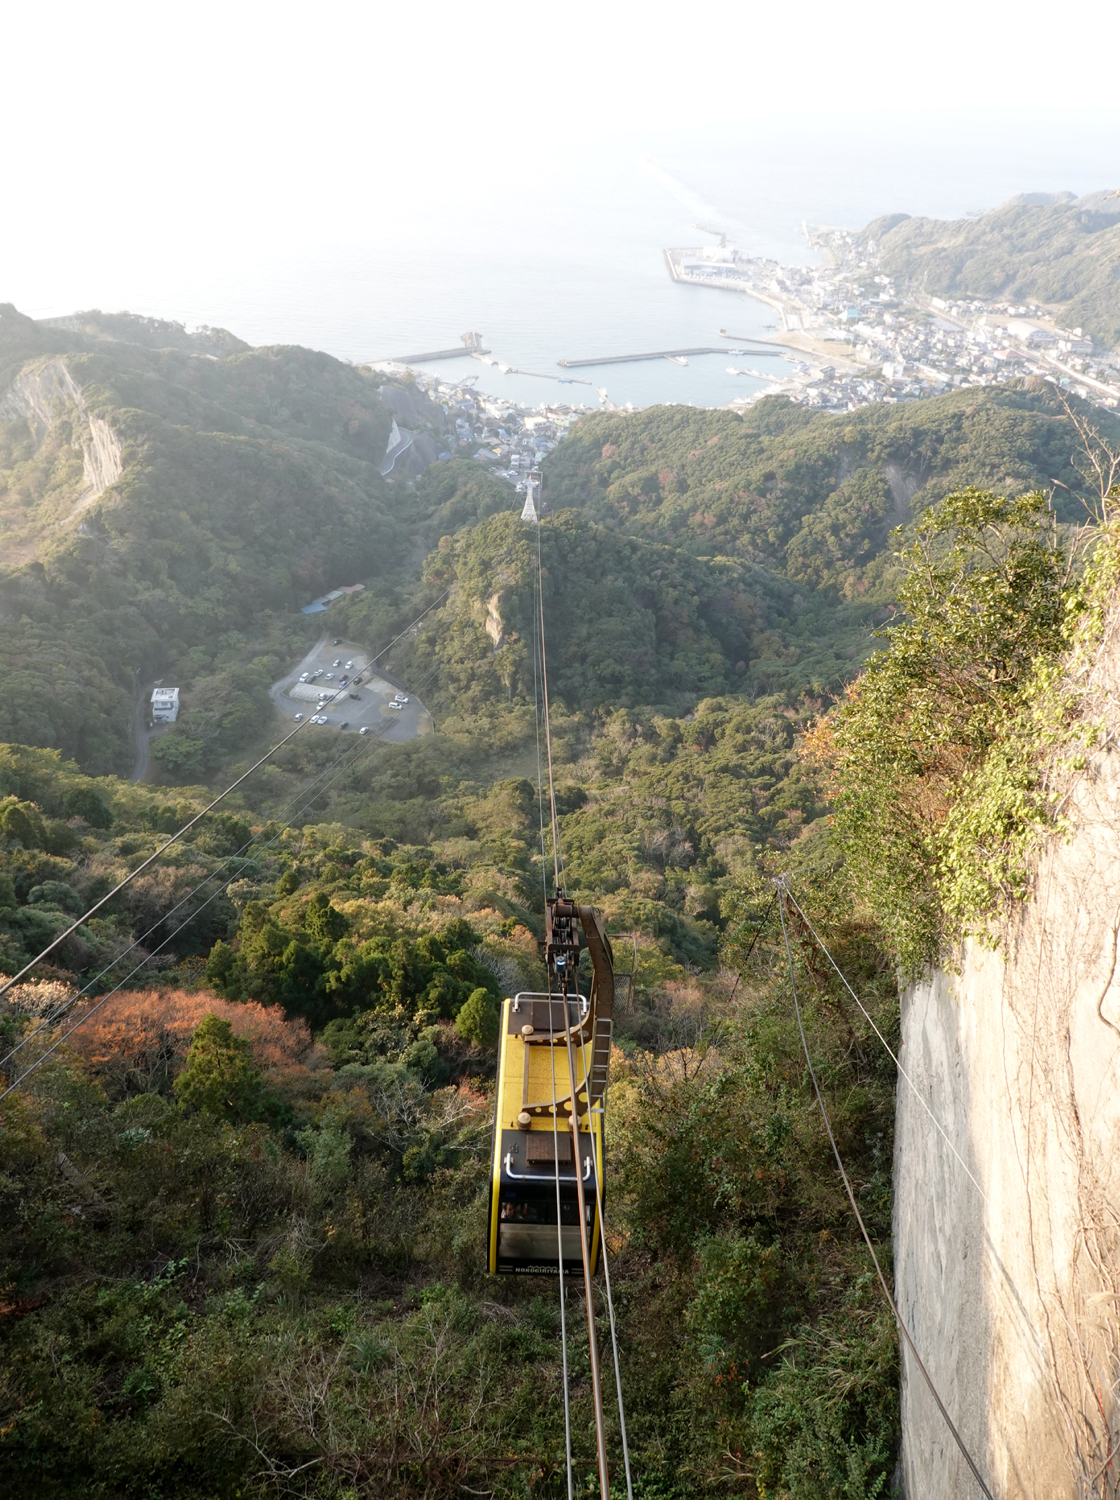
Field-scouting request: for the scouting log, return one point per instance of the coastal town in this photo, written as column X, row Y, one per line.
column 506, row 437
column 848, row 335
column 855, row 336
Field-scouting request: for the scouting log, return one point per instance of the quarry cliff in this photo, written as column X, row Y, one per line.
column 1007, row 1224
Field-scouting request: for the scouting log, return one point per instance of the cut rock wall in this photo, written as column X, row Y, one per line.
column 43, row 397
column 1010, row 1285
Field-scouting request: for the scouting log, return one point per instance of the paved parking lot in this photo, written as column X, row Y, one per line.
column 361, row 703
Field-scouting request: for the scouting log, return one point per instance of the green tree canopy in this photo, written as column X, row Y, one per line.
column 219, row 1078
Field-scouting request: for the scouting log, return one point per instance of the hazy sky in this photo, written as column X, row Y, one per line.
column 137, row 131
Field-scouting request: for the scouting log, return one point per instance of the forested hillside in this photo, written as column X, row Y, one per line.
column 242, row 1207
column 1064, row 253
column 166, row 509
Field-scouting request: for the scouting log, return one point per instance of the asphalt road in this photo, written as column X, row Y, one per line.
column 361, row 705
column 388, row 463
column 140, row 735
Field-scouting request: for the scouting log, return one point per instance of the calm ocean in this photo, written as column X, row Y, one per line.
column 561, row 256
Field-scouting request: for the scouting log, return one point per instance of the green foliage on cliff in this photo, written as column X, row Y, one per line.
column 937, row 754
column 1065, row 252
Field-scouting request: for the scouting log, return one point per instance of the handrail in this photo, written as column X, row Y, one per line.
column 552, row 1176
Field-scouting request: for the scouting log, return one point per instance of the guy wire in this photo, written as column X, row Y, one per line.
column 140, row 868
column 133, row 972
column 607, row 1280
column 859, row 1217
column 557, row 855
column 559, row 1239
column 585, row 1252
column 238, row 854
column 921, row 1100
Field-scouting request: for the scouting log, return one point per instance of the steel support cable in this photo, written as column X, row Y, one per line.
column 552, row 1065
column 559, row 1241
column 537, row 727
column 175, row 837
column 585, row 1253
column 762, row 929
column 607, row 1283
column 557, row 855
column 132, row 973
column 859, row 1217
column 238, row 854
column 913, row 1086
column 918, row 1095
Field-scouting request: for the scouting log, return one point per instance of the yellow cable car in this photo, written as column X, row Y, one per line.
column 553, row 1060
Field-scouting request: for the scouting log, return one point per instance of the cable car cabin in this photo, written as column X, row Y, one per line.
column 537, row 1157
column 533, row 1144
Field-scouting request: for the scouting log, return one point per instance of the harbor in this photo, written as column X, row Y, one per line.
column 864, row 338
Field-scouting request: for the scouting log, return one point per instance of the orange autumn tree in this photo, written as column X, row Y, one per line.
column 138, row 1042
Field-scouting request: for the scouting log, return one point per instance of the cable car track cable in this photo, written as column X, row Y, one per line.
column 1089, row 1357
column 585, row 1251
column 513, row 1202
column 360, row 750
column 783, row 890
column 552, row 1064
column 557, row 853
column 136, row 943
column 560, row 1262
column 610, row 1299
column 175, row 837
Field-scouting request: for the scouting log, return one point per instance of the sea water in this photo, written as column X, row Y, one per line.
column 559, row 254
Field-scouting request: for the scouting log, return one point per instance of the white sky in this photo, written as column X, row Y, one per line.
column 131, row 125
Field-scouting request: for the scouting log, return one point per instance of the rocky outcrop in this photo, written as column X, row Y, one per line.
column 1007, row 1237
column 493, row 622
column 45, row 395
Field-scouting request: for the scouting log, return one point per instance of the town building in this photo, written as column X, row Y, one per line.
column 165, row 705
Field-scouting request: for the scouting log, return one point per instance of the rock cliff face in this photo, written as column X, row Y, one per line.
column 1010, row 1283
column 43, row 397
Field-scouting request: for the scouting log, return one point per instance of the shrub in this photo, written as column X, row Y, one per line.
column 986, row 598
column 219, row 1078
column 83, row 802
column 478, row 1020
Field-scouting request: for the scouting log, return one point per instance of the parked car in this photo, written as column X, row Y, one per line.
column 337, row 641
column 354, row 695
column 364, row 729
column 393, row 705
column 349, row 664
column 304, row 676
column 337, row 662
column 401, row 698
column 345, row 724
column 298, row 717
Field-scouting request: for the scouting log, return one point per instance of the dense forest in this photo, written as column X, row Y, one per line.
column 248, row 484
column 1063, row 252
column 243, row 1204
